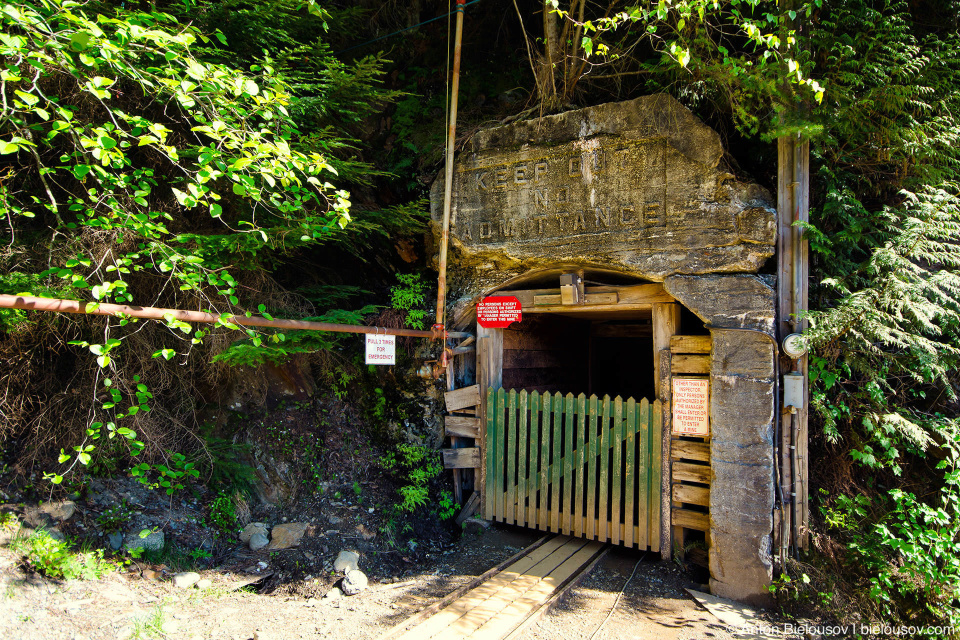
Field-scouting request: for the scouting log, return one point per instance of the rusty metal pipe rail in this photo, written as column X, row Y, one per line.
column 33, row 303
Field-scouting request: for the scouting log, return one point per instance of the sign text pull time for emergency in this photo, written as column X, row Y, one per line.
column 381, row 349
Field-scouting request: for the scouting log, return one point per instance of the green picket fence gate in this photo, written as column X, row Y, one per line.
column 579, row 466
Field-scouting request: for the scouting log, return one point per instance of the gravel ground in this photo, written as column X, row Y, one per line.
column 125, row 605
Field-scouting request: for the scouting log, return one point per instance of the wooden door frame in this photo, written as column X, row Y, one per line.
column 597, row 301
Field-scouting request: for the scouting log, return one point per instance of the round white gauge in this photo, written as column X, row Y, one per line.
column 793, row 346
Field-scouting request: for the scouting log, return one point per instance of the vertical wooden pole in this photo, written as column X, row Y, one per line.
column 666, row 473
column 666, row 324
column 458, row 474
column 489, row 372
column 793, row 196
column 490, row 358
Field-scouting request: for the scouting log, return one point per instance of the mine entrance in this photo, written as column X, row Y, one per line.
column 573, row 430
column 572, row 354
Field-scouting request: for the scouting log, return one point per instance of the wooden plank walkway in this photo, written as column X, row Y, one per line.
column 508, row 600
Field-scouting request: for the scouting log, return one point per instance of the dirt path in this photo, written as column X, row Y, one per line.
column 127, row 606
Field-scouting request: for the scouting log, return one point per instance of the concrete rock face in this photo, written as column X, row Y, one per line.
column 635, row 188
column 631, row 186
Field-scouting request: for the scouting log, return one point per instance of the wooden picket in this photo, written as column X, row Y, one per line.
column 585, row 467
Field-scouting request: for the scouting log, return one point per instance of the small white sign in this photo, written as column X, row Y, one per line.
column 691, row 407
column 381, row 349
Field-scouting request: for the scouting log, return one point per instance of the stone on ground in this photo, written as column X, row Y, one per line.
column 152, row 542
column 285, row 536
column 258, row 541
column 186, row 579
column 251, row 529
column 204, row 583
column 354, row 582
column 346, row 561
column 61, row 510
column 116, row 540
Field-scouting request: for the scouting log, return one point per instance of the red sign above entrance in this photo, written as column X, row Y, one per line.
column 498, row 312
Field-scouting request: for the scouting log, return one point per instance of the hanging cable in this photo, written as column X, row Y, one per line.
column 390, row 35
column 619, row 595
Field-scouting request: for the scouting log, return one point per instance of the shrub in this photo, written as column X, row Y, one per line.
column 56, row 559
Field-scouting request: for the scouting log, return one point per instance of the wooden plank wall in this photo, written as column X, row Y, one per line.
column 546, row 353
column 690, row 457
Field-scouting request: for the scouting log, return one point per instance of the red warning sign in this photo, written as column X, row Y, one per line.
column 498, row 312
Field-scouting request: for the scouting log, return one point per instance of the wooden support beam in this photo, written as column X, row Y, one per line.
column 542, row 300
column 691, row 344
column 461, row 458
column 489, row 375
column 690, row 494
column 462, row 426
column 689, row 519
column 793, row 208
column 688, row 450
column 470, row 508
column 666, row 324
column 633, row 294
column 613, row 298
column 464, row 398
column 689, row 364
column 665, row 392
column 689, row 472
column 490, row 359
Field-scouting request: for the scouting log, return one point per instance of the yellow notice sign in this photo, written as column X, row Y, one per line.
column 691, row 407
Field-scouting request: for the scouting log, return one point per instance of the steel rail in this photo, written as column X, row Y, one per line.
column 33, row 303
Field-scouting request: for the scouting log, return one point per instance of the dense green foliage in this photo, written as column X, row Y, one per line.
column 154, row 175
column 146, row 162
column 205, row 166
column 885, row 234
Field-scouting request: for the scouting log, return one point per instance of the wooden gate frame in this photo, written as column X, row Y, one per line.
column 665, row 314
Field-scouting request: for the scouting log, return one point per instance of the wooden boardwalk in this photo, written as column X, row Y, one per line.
column 504, row 603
